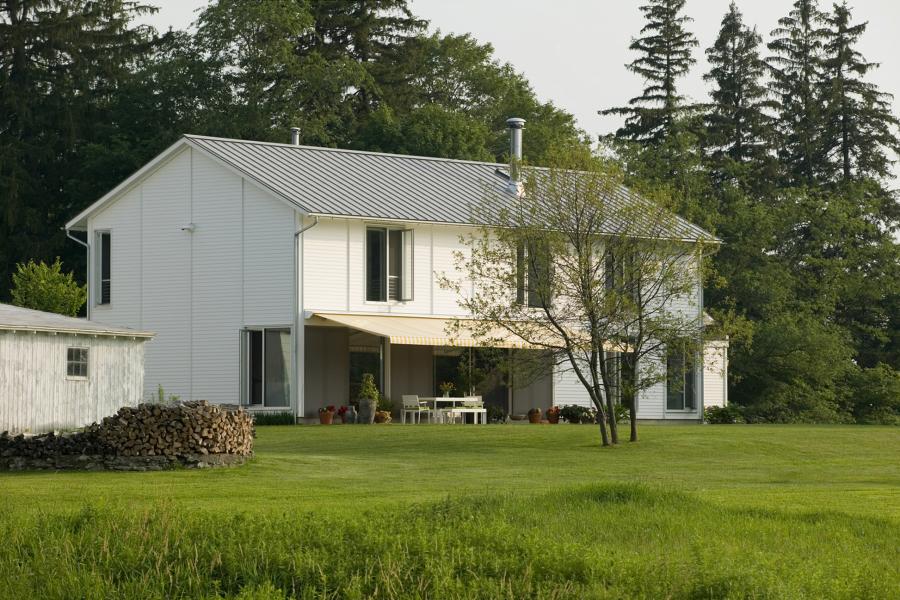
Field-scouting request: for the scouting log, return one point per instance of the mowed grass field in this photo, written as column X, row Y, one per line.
column 509, row 511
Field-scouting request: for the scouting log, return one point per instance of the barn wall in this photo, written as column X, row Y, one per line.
column 37, row 396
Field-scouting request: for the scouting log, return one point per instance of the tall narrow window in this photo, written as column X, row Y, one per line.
column 680, row 376
column 376, row 259
column 539, row 288
column 104, row 267
column 389, row 264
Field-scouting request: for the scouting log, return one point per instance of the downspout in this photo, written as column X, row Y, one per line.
column 299, row 321
column 702, row 370
column 87, row 268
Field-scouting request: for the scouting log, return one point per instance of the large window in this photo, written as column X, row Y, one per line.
column 389, row 264
column 267, row 364
column 533, row 273
column 681, row 392
column 77, row 362
column 104, row 267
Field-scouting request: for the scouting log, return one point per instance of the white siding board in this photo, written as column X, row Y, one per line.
column 325, row 271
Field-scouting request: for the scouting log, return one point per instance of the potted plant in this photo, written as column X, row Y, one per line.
column 534, row 415
column 347, row 414
column 326, row 415
column 368, row 399
column 447, row 387
column 553, row 415
column 382, row 416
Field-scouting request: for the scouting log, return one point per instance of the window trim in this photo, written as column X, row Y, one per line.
column 78, row 363
column 407, row 239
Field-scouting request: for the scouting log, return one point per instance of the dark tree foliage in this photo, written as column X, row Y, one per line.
column 664, row 49
column 860, row 128
column 798, row 81
column 62, row 64
column 737, row 125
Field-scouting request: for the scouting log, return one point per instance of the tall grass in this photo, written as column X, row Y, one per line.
column 621, row 540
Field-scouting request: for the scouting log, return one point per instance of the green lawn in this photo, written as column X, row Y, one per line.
column 493, row 511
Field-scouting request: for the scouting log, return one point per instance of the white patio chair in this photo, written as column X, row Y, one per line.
column 415, row 407
column 474, row 405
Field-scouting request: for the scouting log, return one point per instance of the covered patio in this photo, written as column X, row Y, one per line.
column 412, row 356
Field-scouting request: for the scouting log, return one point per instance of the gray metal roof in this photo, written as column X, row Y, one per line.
column 16, row 318
column 350, row 183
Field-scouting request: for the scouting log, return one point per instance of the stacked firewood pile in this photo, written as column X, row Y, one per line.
column 196, row 427
column 186, row 429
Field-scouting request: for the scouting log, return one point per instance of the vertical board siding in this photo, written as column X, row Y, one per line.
column 36, row 396
column 268, row 259
column 216, row 282
column 166, row 251
column 123, row 220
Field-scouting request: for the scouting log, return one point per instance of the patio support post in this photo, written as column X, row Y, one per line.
column 386, row 366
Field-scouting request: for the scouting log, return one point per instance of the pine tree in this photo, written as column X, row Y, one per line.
column 859, row 126
column 62, row 64
column 798, row 80
column 737, row 125
column 665, row 55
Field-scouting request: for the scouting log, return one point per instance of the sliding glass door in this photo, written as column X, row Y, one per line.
column 267, row 367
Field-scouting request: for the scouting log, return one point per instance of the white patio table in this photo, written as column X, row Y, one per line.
column 457, row 406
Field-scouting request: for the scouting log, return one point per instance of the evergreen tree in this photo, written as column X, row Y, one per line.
column 665, row 55
column 62, row 64
column 860, row 128
column 798, row 72
column 737, row 125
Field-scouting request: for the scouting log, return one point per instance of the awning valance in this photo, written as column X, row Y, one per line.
column 420, row 331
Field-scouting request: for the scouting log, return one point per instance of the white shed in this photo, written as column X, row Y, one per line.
column 59, row 372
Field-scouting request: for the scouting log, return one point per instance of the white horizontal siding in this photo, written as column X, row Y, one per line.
column 36, row 395
column 268, row 247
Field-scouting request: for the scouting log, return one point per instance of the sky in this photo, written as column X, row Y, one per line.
column 573, row 51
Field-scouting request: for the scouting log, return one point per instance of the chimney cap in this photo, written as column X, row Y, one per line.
column 515, row 123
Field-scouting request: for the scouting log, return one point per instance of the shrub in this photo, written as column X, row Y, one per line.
column 274, row 418
column 40, row 286
column 875, row 395
column 622, row 413
column 578, row 414
column 723, row 415
column 495, row 414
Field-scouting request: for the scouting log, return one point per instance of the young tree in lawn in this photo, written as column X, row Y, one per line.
column 45, row 287
column 589, row 274
column 664, row 49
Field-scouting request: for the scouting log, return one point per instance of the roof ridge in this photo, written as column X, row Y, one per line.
column 344, row 150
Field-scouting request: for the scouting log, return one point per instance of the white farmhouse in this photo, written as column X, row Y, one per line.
column 275, row 275
column 60, row 372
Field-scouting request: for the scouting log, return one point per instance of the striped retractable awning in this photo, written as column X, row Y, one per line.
column 421, row 331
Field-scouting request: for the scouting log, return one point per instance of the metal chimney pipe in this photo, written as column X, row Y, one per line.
column 515, row 125
column 295, row 136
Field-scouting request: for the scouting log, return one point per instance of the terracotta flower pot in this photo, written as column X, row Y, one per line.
column 326, row 417
column 534, row 418
column 553, row 419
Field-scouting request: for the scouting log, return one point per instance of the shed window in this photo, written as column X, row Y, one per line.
column 77, row 362
column 104, row 267
column 389, row 264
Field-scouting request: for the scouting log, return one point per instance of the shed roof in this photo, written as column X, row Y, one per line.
column 16, row 318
